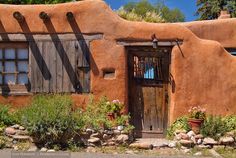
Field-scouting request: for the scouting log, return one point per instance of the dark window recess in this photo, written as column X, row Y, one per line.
column 148, row 68
column 232, row 51
column 14, row 65
column 109, row 74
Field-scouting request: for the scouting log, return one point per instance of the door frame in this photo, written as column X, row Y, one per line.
column 167, row 105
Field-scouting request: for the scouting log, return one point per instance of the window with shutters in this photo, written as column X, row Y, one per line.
column 14, row 61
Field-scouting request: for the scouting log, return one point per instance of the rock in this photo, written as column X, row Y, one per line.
column 89, row 131
column 209, row 141
column 198, row 154
column 110, row 132
column 105, row 136
column 226, row 140
column 22, row 132
column 10, row 131
column 201, row 146
column 111, row 143
column 172, row 144
column 51, row 150
column 198, row 136
column 184, row 136
column 93, row 140
column 193, row 139
column 120, row 128
column 186, row 143
column 123, row 138
column 116, row 132
column 104, row 144
column 199, row 141
column 43, row 149
column 95, row 135
column 21, row 128
column 124, row 132
column 20, row 137
column 191, row 134
column 16, row 126
column 141, row 145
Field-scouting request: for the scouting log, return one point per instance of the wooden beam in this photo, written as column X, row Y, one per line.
column 160, row 43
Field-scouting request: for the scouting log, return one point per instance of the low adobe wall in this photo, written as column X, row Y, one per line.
column 203, row 72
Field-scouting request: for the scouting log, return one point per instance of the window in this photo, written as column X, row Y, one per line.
column 14, row 64
column 232, row 51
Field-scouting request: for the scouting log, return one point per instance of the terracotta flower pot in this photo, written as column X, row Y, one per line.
column 195, row 124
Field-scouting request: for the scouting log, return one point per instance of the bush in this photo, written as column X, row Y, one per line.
column 180, row 124
column 51, row 120
column 230, row 122
column 5, row 117
column 214, row 127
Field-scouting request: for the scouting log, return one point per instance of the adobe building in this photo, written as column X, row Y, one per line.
column 83, row 48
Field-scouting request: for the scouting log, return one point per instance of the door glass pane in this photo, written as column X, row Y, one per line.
column 9, row 66
column 9, row 79
column 23, row 66
column 0, row 53
column 22, row 54
column 10, row 53
column 0, row 78
column 22, row 79
column 1, row 66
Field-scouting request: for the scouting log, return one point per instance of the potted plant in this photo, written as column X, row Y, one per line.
column 113, row 109
column 197, row 116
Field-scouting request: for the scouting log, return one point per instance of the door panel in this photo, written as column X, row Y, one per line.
column 148, row 86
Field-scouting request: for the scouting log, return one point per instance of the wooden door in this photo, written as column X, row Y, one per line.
column 148, row 90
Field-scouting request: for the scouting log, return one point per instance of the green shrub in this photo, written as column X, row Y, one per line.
column 214, row 127
column 50, row 119
column 180, row 124
column 230, row 122
column 6, row 118
column 3, row 142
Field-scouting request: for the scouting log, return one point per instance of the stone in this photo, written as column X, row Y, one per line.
column 20, row 137
column 93, row 140
column 209, row 141
column 230, row 134
column 141, row 145
column 198, row 136
column 172, row 144
column 131, row 152
column 89, row 131
column 116, row 132
column 186, row 151
column 193, row 139
column 91, row 149
column 201, row 146
column 10, row 131
column 16, row 126
column 95, row 135
column 51, row 150
column 198, row 154
column 120, row 128
column 123, row 138
column 109, row 132
column 22, row 132
column 105, row 136
column 199, row 141
column 184, row 136
column 21, row 128
column 191, row 134
column 124, row 132
column 186, row 143
column 43, row 149
column 111, row 143
column 226, row 140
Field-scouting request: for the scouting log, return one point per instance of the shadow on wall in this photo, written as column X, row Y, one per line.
column 73, row 75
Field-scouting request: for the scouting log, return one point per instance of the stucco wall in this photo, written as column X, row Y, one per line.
column 203, row 72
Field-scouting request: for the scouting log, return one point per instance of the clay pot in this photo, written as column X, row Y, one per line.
column 195, row 124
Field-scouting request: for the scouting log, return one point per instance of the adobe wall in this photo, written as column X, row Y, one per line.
column 203, row 72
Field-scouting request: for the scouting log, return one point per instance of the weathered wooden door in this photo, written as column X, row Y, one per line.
column 148, row 90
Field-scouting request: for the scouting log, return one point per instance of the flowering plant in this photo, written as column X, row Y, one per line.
column 197, row 112
column 115, row 106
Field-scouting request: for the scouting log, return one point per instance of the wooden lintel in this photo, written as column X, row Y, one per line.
column 160, row 43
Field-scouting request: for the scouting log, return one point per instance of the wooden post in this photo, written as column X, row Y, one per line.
column 18, row 16
column 44, row 16
column 70, row 16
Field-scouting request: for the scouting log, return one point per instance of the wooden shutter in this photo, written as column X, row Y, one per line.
column 59, row 66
